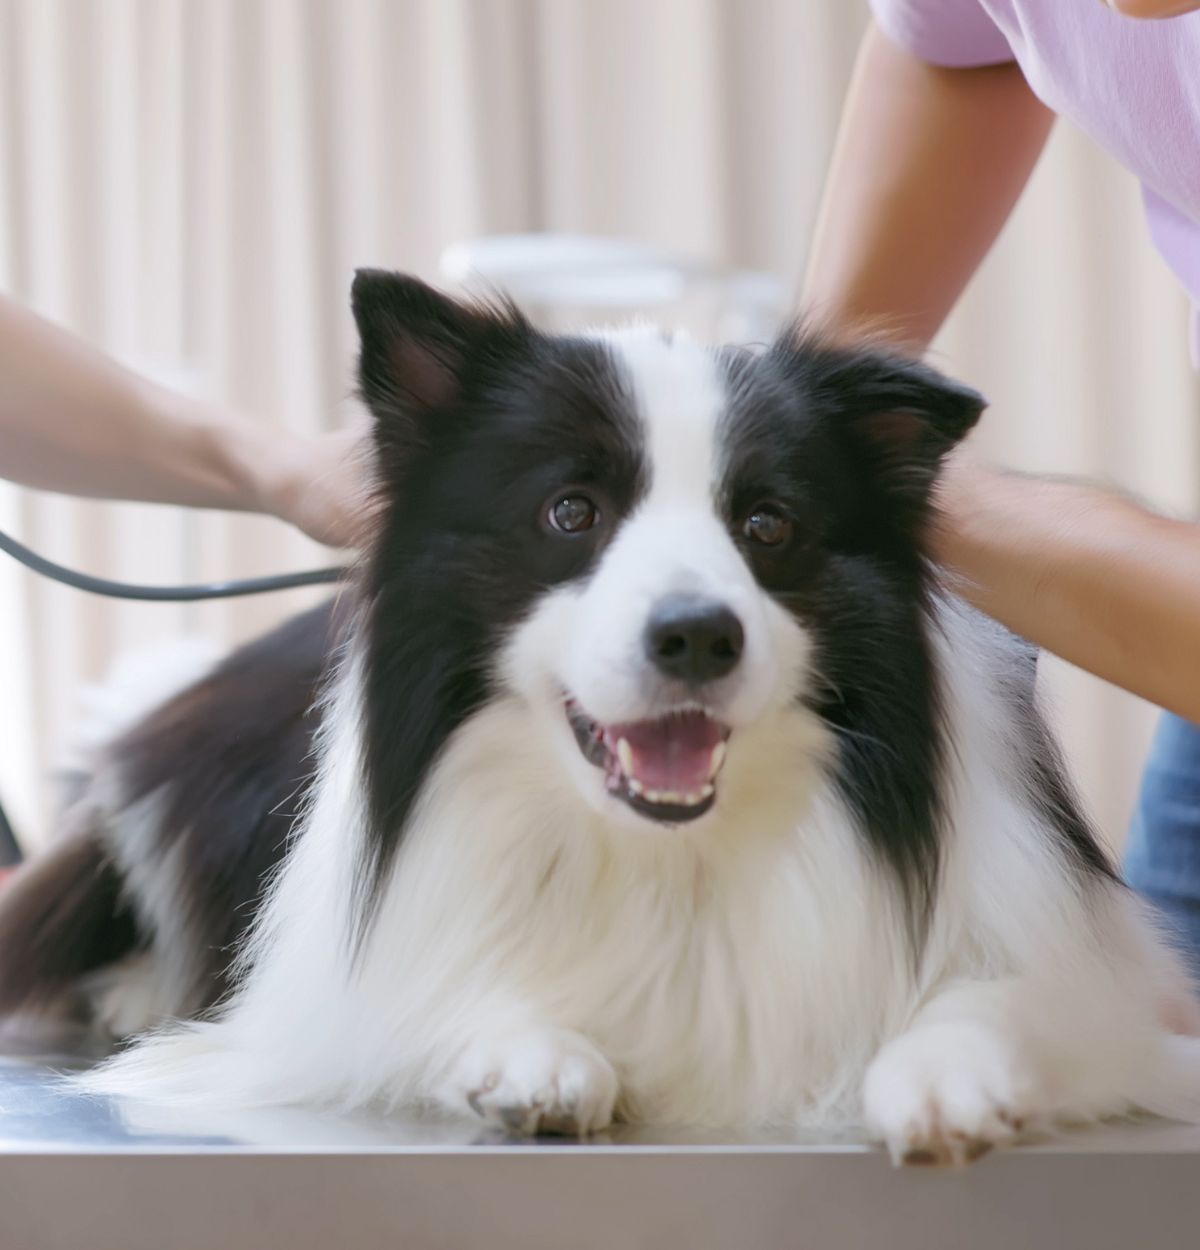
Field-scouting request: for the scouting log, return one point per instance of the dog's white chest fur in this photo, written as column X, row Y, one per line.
column 720, row 974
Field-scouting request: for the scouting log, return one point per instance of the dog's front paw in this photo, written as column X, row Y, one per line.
column 551, row 1081
column 947, row 1093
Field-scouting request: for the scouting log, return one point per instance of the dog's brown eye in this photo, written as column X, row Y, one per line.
column 767, row 526
column 573, row 514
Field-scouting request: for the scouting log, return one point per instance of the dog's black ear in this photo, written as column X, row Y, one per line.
column 897, row 416
column 421, row 349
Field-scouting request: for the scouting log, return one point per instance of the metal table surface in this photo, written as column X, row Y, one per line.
column 94, row 1173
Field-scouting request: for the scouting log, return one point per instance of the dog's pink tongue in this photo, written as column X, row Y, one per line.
column 672, row 754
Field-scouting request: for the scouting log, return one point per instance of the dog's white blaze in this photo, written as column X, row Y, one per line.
column 589, row 639
column 754, row 968
column 676, row 542
column 679, row 393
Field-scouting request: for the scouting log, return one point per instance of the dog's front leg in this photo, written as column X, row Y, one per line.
column 528, row 1078
column 968, row 1074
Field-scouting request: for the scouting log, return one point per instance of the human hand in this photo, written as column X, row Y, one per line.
column 1151, row 8
column 322, row 485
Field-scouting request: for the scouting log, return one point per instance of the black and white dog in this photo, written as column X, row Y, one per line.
column 652, row 777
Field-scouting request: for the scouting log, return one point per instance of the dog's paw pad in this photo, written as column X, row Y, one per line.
column 946, row 1095
column 553, row 1082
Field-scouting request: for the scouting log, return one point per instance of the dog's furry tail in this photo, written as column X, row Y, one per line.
column 62, row 916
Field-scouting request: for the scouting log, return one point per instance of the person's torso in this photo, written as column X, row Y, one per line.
column 1134, row 87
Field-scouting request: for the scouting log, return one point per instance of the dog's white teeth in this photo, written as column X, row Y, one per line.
column 625, row 756
column 717, row 759
column 674, row 798
column 692, row 798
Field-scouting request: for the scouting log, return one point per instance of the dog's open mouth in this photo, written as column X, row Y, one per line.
column 665, row 769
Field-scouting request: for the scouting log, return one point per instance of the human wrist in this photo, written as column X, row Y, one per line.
column 1011, row 538
column 259, row 470
column 961, row 495
column 215, row 460
column 206, row 456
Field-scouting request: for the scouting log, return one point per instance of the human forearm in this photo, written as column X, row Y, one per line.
column 926, row 169
column 73, row 421
column 1090, row 576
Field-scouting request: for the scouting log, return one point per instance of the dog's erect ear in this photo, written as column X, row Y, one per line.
column 421, row 349
column 897, row 416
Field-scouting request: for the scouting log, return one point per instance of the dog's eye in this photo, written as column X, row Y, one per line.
column 767, row 526
column 573, row 514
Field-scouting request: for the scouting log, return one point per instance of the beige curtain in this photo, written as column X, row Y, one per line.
column 189, row 184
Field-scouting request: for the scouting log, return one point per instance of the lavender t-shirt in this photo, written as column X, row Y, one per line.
column 1133, row 86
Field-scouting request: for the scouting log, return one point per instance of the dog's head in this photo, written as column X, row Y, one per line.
column 662, row 550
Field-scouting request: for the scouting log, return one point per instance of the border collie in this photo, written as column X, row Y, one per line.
column 645, row 773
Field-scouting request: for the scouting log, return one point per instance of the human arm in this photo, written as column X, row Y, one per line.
column 926, row 169
column 73, row 421
column 928, row 165
column 1091, row 576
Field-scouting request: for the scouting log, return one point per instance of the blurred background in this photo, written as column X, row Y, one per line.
column 190, row 183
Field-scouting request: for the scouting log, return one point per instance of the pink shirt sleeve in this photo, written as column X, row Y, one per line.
column 954, row 33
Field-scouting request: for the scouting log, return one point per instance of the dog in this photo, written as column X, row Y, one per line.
column 646, row 771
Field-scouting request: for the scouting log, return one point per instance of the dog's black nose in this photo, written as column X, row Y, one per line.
column 694, row 640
